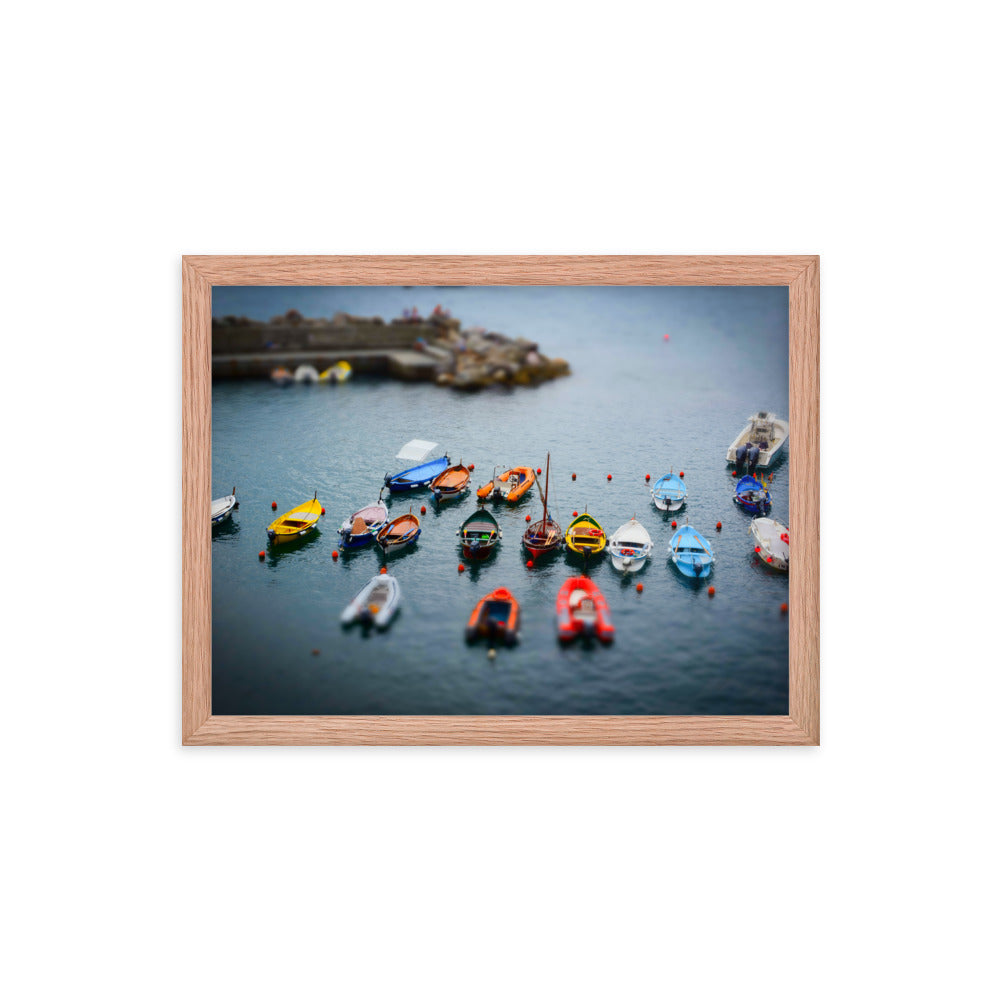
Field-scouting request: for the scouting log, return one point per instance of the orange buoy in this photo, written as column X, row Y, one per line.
column 461, row 568
column 423, row 510
column 784, row 609
column 530, row 563
column 638, row 588
column 647, row 477
column 383, row 570
column 274, row 505
column 711, row 591
column 336, row 555
column 260, row 555
column 718, row 526
column 527, row 517
column 574, row 477
column 609, row 477
column 673, row 524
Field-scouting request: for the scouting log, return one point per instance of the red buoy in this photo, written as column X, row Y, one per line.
column 472, row 468
column 274, row 505
column 609, row 477
column 647, row 477
column 574, row 477
column 756, row 548
column 734, row 473
column 682, row 473
column 784, row 609
column 423, row 510
column 322, row 511
column 461, row 568
column 673, row 524
column 666, row 336
column 538, row 472
column 527, row 517
column 336, row 555
column 638, row 588
column 575, row 514
column 530, row 564
column 315, row 652
column 711, row 591
column 718, row 526
column 260, row 555
column 770, row 558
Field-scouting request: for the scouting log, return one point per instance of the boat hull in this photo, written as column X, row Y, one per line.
column 495, row 617
column 581, row 610
column 691, row 554
column 295, row 524
column 376, row 604
column 418, row 477
column 771, row 543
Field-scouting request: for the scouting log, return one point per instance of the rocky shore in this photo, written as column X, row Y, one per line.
column 433, row 348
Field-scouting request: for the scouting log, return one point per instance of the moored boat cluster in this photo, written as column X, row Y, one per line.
column 581, row 608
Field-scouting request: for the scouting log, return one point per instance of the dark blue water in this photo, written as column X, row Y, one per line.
column 635, row 404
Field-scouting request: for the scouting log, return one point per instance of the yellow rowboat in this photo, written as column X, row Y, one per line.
column 297, row 522
column 585, row 536
column 340, row 372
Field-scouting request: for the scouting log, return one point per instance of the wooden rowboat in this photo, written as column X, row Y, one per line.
column 543, row 536
column 450, row 483
column 399, row 533
column 480, row 534
column 585, row 536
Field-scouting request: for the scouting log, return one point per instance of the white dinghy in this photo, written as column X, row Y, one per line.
column 630, row 546
column 770, row 542
column 375, row 604
column 223, row 507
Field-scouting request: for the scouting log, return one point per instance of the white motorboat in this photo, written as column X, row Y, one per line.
column 630, row 546
column 759, row 443
column 306, row 374
column 770, row 542
column 223, row 507
column 375, row 604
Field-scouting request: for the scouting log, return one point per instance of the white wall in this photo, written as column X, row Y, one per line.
column 136, row 868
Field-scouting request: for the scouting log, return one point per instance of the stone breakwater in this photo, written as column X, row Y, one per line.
column 435, row 349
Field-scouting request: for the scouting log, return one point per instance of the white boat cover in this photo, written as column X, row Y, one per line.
column 416, row 450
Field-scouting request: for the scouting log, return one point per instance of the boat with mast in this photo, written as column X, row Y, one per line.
column 543, row 536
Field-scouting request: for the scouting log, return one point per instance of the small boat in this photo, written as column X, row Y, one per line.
column 669, row 492
column 521, row 480
column 770, row 542
column 759, row 443
column 340, row 372
column 362, row 526
column 450, row 483
column 490, row 489
column 398, row 533
column 630, row 546
column 480, row 534
column 582, row 610
column 585, row 536
column 306, row 374
column 691, row 553
column 281, row 376
column 418, row 475
column 543, row 536
column 223, row 507
column 752, row 495
column 376, row 603
column 494, row 617
column 297, row 522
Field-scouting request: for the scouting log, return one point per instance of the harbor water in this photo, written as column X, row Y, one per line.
column 636, row 403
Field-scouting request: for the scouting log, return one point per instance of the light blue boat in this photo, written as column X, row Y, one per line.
column 419, row 475
column 669, row 492
column 691, row 553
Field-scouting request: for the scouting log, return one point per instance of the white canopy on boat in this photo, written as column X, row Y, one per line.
column 416, row 450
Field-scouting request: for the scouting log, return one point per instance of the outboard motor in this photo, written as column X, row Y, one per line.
column 753, row 455
column 698, row 567
column 741, row 454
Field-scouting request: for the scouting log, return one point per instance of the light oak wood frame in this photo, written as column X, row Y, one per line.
column 800, row 727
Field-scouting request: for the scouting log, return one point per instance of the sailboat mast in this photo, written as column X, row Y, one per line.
column 545, row 495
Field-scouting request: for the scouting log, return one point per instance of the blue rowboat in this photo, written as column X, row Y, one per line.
column 669, row 492
column 752, row 495
column 418, row 476
column 691, row 553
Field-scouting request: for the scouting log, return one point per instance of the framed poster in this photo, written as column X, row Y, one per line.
column 501, row 500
